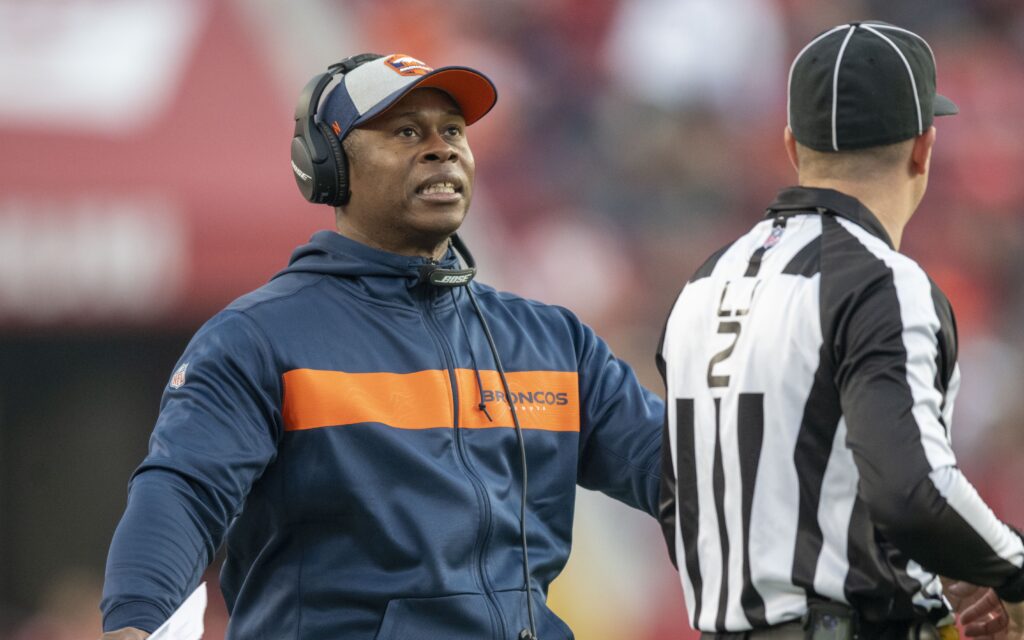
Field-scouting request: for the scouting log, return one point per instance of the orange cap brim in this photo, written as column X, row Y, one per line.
column 472, row 91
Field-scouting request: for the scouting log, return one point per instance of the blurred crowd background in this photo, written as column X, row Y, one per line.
column 144, row 184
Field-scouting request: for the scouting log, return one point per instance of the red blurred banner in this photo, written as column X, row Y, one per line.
column 144, row 173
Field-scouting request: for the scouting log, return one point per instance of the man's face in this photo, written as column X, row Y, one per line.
column 411, row 176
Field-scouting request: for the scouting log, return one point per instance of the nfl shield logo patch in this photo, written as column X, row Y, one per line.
column 774, row 238
column 178, row 378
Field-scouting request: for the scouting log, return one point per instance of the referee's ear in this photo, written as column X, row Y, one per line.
column 921, row 156
column 790, row 142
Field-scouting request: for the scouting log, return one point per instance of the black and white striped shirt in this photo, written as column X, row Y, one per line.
column 810, row 375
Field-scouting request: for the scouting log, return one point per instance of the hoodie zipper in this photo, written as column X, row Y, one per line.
column 475, row 481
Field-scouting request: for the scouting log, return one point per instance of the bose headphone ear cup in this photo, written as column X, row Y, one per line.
column 319, row 165
column 340, row 194
column 303, row 169
column 318, row 181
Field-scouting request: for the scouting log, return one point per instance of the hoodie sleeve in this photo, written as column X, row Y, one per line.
column 620, row 427
column 217, row 431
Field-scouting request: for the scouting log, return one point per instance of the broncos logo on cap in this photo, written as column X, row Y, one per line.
column 407, row 65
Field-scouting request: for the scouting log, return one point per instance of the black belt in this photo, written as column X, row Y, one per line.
column 788, row 630
column 833, row 629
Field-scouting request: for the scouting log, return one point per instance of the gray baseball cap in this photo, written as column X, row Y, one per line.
column 372, row 87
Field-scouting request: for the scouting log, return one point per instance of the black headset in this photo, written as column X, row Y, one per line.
column 319, row 164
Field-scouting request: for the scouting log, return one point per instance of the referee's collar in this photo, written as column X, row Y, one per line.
column 813, row 199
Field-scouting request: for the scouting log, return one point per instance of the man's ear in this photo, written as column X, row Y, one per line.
column 921, row 155
column 790, row 142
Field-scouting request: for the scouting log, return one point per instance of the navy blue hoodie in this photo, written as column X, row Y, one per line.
column 343, row 430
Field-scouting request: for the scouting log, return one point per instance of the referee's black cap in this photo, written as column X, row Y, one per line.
column 863, row 84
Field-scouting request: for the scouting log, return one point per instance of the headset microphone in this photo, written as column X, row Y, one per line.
column 441, row 277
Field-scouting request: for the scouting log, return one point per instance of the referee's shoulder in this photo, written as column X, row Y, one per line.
column 904, row 269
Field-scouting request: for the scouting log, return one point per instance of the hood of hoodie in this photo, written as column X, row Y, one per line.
column 384, row 273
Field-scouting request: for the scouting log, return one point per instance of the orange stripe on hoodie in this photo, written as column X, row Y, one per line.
column 547, row 400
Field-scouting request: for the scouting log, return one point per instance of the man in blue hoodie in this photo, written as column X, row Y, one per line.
column 359, row 430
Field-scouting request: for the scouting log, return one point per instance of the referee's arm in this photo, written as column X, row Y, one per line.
column 895, row 362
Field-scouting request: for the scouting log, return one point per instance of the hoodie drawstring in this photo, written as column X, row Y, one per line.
column 531, row 632
column 472, row 354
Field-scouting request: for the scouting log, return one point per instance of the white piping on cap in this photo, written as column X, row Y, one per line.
column 913, row 83
column 835, row 86
column 789, row 82
column 909, row 33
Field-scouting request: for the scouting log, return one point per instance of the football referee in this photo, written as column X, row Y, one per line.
column 809, row 486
